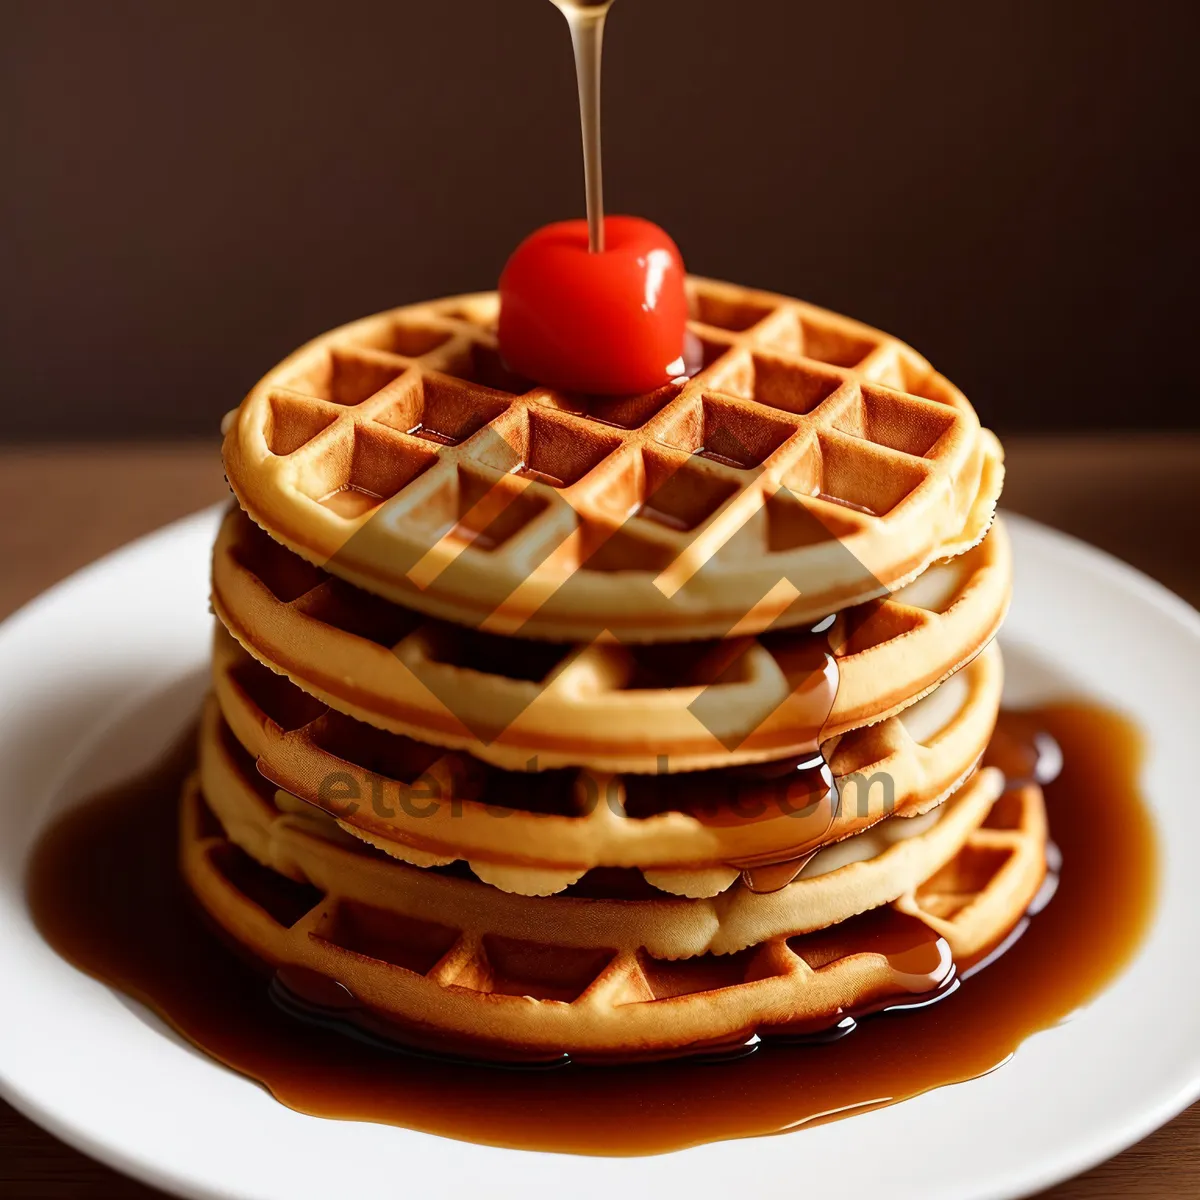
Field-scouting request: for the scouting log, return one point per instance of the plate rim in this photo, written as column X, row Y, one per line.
column 1080, row 1155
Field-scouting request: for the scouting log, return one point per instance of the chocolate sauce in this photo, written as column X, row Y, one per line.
column 105, row 892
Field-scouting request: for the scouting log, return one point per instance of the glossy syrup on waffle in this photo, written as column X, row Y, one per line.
column 105, row 891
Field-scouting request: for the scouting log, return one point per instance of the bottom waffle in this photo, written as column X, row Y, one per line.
column 456, row 963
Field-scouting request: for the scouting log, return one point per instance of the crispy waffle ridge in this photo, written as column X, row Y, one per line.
column 537, row 833
column 862, row 873
column 451, row 957
column 811, row 464
column 608, row 706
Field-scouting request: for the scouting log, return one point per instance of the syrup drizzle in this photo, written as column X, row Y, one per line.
column 585, row 18
column 105, row 892
column 800, row 788
column 919, row 956
column 774, row 876
column 771, row 873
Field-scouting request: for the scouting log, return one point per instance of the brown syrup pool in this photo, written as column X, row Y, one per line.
column 104, row 890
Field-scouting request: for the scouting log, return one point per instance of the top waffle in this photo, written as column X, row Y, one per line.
column 811, row 463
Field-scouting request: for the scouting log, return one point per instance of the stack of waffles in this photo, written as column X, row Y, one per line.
column 546, row 725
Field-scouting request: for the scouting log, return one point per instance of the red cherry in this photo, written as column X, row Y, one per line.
column 611, row 323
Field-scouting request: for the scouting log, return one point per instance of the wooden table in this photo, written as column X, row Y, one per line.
column 1137, row 496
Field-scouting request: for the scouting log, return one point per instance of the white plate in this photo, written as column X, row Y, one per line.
column 97, row 676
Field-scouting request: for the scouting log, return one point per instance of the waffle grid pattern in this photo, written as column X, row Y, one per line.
column 538, row 833
column 610, row 910
column 608, row 706
column 537, row 993
column 426, row 541
column 802, row 426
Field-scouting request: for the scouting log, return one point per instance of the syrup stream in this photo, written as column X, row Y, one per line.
column 585, row 18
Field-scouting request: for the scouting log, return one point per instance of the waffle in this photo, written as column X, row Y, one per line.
column 537, row 833
column 451, row 958
column 811, row 464
column 608, row 706
column 608, row 908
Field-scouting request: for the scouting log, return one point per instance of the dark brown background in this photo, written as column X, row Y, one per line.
column 191, row 187
column 194, row 187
